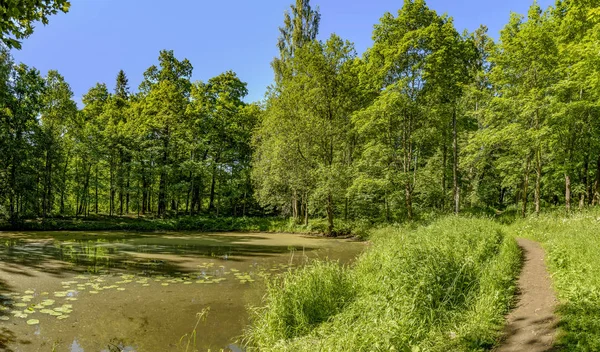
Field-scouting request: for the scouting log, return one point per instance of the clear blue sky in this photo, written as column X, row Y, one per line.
column 97, row 38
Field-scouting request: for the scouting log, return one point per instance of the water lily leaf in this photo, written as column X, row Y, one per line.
column 33, row 322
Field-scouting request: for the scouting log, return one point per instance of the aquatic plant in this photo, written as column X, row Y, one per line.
column 189, row 340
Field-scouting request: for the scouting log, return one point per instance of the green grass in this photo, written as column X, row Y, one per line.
column 441, row 287
column 573, row 256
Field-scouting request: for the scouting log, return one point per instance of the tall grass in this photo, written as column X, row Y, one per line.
column 442, row 287
column 572, row 246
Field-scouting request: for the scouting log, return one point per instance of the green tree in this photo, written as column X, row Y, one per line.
column 17, row 18
column 59, row 110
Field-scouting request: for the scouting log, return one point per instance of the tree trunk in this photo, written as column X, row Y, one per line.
column 538, row 180
column 306, row 210
column 64, row 186
column 596, row 200
column 162, row 186
column 329, row 214
column 525, row 187
column 568, row 193
column 456, row 190
column 96, row 189
column 444, row 165
column 211, row 203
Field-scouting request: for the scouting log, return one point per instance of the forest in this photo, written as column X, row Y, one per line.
column 428, row 120
column 459, row 171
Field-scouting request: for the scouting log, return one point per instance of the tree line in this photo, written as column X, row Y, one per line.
column 427, row 119
column 175, row 147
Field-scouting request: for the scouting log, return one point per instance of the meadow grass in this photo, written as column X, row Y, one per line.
column 441, row 287
column 572, row 245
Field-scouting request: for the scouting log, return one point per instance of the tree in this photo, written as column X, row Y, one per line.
column 59, row 111
column 18, row 16
column 300, row 26
column 166, row 92
column 313, row 110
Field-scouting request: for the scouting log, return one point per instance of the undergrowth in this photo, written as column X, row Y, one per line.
column 189, row 223
column 441, row 287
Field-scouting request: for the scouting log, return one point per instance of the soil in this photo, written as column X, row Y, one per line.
column 531, row 326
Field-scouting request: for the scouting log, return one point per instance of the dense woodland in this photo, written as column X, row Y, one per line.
column 428, row 119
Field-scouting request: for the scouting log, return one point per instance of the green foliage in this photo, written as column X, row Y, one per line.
column 441, row 287
column 17, row 18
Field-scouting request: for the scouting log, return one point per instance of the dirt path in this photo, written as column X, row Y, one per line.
column 531, row 326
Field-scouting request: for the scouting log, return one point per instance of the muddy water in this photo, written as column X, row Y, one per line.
column 110, row 291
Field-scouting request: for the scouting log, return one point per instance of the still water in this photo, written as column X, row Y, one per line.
column 116, row 291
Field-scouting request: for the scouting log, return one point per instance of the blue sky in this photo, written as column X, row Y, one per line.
column 97, row 38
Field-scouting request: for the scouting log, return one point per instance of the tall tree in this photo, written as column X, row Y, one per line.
column 59, row 111
column 166, row 90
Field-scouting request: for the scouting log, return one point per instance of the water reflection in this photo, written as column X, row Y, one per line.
column 145, row 255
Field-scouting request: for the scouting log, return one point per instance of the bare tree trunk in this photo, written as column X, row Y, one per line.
column 329, row 214
column 306, row 209
column 525, row 187
column 211, row 202
column 162, row 185
column 568, row 193
column 64, row 186
column 96, row 189
column 444, row 165
column 596, row 200
column 538, row 178
column 455, row 186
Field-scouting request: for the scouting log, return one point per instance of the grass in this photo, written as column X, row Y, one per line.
column 441, row 287
column 572, row 247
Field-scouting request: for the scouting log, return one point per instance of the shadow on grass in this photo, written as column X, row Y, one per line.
column 579, row 327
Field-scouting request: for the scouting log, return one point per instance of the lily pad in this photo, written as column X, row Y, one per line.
column 33, row 322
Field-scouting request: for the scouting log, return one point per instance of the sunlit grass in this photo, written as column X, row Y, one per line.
column 443, row 287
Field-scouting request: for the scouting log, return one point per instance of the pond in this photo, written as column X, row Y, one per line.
column 124, row 291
